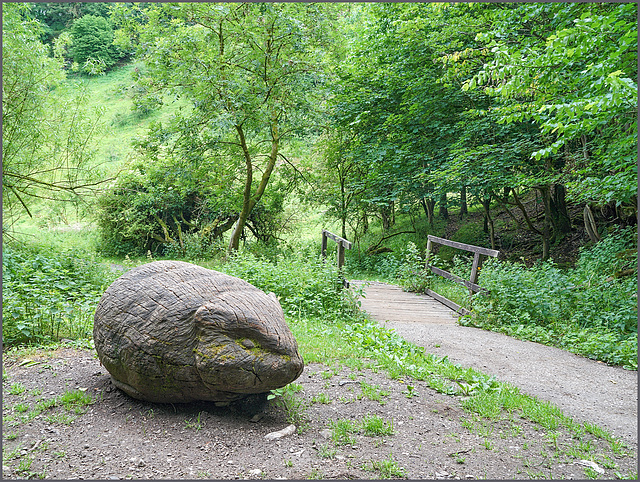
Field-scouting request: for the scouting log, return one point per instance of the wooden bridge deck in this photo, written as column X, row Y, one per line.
column 385, row 302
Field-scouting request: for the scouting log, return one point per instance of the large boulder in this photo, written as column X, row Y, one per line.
column 170, row 331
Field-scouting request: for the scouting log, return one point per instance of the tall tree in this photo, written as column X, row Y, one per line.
column 572, row 69
column 248, row 70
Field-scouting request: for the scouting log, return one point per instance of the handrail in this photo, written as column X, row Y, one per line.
column 342, row 245
column 471, row 284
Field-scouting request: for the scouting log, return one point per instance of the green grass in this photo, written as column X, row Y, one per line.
column 386, row 468
column 21, row 407
column 321, row 398
column 17, row 389
column 343, row 431
column 326, row 451
column 375, row 426
column 295, row 407
column 373, row 392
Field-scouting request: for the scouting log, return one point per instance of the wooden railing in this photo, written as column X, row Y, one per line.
column 471, row 283
column 342, row 245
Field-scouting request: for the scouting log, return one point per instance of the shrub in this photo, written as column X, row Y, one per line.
column 411, row 275
column 178, row 206
column 92, row 48
column 304, row 286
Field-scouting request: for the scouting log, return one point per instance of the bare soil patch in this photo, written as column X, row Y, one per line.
column 120, row 437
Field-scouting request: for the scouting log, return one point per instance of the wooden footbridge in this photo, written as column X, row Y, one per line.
column 381, row 304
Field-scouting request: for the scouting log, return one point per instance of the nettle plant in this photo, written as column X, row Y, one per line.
column 305, row 287
column 47, row 295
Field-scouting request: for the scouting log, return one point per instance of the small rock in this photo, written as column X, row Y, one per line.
column 326, row 433
column 593, row 465
column 344, row 382
column 291, row 429
column 255, row 472
column 340, row 457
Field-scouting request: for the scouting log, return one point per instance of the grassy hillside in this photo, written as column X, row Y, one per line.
column 113, row 92
column 118, row 125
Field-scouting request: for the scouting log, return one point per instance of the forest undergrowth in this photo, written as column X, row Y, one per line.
column 589, row 309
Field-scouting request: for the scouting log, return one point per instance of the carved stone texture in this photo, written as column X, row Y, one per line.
column 171, row 331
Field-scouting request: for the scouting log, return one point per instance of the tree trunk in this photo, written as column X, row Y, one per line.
column 343, row 206
column 524, row 213
column 365, row 222
column 545, row 192
column 249, row 201
column 486, row 204
column 386, row 217
column 464, row 209
column 393, row 213
column 385, row 220
column 558, row 204
column 428, row 205
column 590, row 224
column 444, row 212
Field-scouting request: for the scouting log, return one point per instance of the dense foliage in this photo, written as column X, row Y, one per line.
column 591, row 309
column 180, row 206
column 387, row 118
column 446, row 104
column 305, row 286
column 57, row 17
column 48, row 295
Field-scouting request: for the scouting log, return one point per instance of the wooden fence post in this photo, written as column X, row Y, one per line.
column 324, row 245
column 427, row 254
column 474, row 271
column 342, row 245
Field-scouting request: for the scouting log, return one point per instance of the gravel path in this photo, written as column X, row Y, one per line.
column 584, row 389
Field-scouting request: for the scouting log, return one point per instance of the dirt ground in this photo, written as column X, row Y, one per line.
column 118, row 437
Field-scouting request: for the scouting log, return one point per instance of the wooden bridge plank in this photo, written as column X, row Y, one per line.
column 388, row 302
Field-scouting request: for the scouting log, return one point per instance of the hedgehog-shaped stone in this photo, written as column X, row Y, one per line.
column 171, row 331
